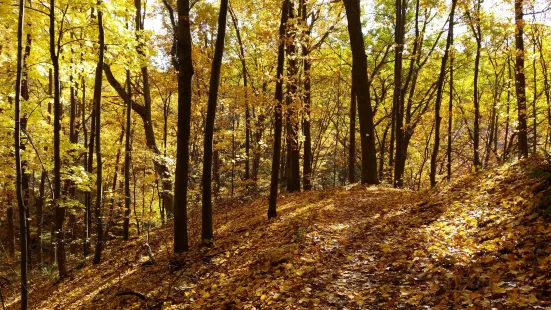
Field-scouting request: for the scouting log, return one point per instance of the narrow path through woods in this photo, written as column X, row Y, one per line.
column 478, row 243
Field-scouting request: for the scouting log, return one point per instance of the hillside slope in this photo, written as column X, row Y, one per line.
column 477, row 243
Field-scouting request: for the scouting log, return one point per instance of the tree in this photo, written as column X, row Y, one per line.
column 278, row 121
column 100, row 242
column 307, row 97
column 359, row 70
column 520, row 80
column 398, row 102
column 450, row 113
column 185, row 74
column 439, row 94
column 245, row 85
column 291, row 118
column 19, row 173
column 474, row 24
column 127, row 158
column 207, row 233
column 55, row 50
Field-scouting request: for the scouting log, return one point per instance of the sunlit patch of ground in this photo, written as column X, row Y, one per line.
column 477, row 243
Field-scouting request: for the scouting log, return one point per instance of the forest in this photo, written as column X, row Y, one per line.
column 301, row 154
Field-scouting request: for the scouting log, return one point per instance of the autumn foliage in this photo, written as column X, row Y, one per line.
column 480, row 242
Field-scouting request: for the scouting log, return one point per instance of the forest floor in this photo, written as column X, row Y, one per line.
column 480, row 242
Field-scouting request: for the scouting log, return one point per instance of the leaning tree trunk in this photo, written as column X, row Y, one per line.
column 245, row 86
column 206, row 231
column 359, row 70
column 438, row 103
column 160, row 166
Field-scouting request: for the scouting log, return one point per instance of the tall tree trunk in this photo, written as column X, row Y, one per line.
column 398, row 102
column 90, row 168
column 245, row 86
column 185, row 73
column 534, row 110
column 293, row 151
column 23, row 122
column 19, row 172
column 439, row 94
column 206, row 231
column 100, row 242
column 359, row 70
column 306, row 127
column 160, row 166
column 450, row 116
column 87, row 163
column 352, row 143
column 307, row 64
column 278, row 121
column 476, row 98
column 127, row 158
column 59, row 210
column 520, row 80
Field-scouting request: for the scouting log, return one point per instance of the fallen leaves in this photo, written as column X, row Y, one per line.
column 477, row 243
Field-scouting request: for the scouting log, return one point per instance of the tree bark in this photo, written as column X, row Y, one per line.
column 520, row 80
column 206, row 231
column 439, row 94
column 18, row 167
column 534, row 101
column 278, row 121
column 476, row 97
column 306, row 123
column 293, row 149
column 185, row 74
column 55, row 49
column 450, row 118
column 161, row 166
column 359, row 70
column 100, row 242
column 398, row 102
column 127, row 158
column 245, row 86
column 23, row 121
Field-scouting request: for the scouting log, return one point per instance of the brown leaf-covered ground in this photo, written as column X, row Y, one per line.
column 477, row 243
